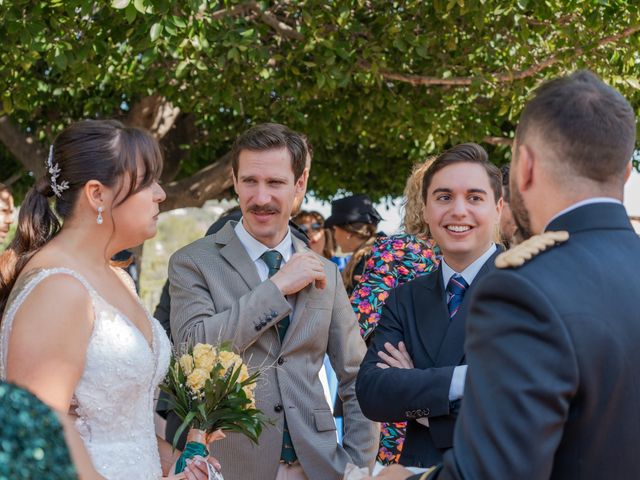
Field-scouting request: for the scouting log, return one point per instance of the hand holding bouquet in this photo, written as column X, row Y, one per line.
column 211, row 390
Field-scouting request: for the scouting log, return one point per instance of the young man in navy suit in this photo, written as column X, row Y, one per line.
column 552, row 335
column 415, row 367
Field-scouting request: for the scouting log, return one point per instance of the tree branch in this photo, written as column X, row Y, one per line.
column 498, row 140
column 183, row 132
column 265, row 17
column 282, row 28
column 154, row 113
column 505, row 77
column 212, row 182
column 25, row 147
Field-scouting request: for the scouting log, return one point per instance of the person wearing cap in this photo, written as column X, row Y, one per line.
column 354, row 220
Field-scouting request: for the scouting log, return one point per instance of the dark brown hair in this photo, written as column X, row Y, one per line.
column 102, row 150
column 270, row 136
column 467, row 153
column 590, row 125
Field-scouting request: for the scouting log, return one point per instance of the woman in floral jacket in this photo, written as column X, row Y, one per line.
column 394, row 261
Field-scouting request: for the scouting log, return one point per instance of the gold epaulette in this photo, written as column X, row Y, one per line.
column 520, row 254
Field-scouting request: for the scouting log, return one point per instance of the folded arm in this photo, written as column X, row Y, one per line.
column 399, row 394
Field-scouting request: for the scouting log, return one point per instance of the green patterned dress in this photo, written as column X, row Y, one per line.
column 32, row 444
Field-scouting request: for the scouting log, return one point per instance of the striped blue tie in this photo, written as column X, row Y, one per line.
column 455, row 293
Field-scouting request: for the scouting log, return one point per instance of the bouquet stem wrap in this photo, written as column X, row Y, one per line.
column 197, row 441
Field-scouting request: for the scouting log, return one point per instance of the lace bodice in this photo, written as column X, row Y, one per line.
column 114, row 398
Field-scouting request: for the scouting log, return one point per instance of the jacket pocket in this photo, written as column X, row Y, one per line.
column 324, row 420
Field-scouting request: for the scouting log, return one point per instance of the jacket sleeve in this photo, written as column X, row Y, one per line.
column 195, row 318
column 522, row 376
column 346, row 349
column 395, row 394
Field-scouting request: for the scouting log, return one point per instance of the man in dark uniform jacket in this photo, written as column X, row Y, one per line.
column 552, row 337
column 425, row 318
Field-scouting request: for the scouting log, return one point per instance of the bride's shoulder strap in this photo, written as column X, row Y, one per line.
column 21, row 290
column 32, row 279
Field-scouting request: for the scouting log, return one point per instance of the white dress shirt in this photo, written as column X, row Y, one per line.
column 255, row 249
column 456, row 390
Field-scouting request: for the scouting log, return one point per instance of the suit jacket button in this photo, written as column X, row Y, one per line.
column 258, row 328
column 280, row 361
column 263, row 322
column 274, row 314
column 278, row 407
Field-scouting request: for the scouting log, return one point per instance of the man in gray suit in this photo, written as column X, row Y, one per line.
column 280, row 304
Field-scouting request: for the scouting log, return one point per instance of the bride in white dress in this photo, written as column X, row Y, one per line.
column 73, row 329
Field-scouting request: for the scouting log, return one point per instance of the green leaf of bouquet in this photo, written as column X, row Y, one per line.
column 185, row 423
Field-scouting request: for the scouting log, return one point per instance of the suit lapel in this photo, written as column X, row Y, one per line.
column 301, row 297
column 234, row 252
column 452, row 349
column 431, row 312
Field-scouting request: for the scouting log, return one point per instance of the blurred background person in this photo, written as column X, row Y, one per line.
column 508, row 227
column 320, row 238
column 354, row 220
column 6, row 212
column 394, row 261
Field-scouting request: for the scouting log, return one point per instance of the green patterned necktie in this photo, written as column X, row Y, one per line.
column 272, row 259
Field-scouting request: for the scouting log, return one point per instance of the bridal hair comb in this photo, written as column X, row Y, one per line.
column 54, row 171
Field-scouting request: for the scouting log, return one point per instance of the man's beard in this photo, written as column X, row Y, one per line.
column 520, row 215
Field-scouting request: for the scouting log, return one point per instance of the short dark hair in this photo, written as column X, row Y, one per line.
column 590, row 125
column 270, row 136
column 468, row 153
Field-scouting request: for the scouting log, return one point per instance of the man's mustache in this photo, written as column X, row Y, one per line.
column 263, row 209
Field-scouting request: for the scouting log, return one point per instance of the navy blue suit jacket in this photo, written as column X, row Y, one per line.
column 416, row 313
column 553, row 347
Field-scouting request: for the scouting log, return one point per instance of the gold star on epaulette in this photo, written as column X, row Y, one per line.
column 518, row 255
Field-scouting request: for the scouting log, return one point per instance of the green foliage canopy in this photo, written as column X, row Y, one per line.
column 376, row 84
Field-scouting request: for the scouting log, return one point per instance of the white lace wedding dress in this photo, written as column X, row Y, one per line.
column 114, row 398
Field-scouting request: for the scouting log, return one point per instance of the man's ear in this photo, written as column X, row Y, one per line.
column 525, row 166
column 627, row 172
column 305, row 177
column 499, row 206
column 301, row 183
column 235, row 182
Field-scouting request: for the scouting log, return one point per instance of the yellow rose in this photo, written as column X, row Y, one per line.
column 227, row 360
column 204, row 357
column 244, row 373
column 197, row 379
column 186, row 363
column 250, row 395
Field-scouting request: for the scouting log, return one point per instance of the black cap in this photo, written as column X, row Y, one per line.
column 353, row 209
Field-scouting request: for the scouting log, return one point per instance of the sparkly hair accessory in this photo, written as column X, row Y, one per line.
column 54, row 171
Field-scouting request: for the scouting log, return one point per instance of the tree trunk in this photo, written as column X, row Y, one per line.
column 212, row 182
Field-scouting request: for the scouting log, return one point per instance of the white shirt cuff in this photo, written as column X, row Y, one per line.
column 456, row 390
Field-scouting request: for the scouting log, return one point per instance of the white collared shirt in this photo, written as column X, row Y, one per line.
column 469, row 273
column 456, row 389
column 582, row 203
column 255, row 249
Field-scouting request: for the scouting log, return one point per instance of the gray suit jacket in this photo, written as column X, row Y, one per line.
column 217, row 295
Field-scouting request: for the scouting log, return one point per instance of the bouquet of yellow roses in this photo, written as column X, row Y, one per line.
column 211, row 390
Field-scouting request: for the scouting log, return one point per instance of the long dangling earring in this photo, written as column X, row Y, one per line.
column 99, row 217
